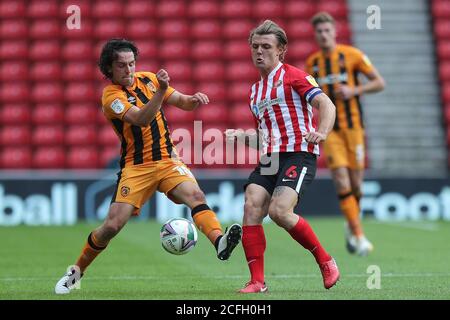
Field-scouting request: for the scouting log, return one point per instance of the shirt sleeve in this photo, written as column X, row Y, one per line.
column 115, row 104
column 305, row 85
column 363, row 64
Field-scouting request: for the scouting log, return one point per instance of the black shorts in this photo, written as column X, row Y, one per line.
column 294, row 169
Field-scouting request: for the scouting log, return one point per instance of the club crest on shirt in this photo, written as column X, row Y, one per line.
column 117, row 106
column 312, row 81
column 124, row 191
column 151, row 86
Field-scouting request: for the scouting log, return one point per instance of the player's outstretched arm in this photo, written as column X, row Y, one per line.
column 327, row 113
column 187, row 102
column 143, row 116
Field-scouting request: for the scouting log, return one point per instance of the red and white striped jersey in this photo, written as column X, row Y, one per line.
column 281, row 106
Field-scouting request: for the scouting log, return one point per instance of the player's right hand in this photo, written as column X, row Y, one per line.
column 163, row 79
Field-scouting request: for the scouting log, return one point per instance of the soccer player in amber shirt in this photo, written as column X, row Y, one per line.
column 149, row 162
column 282, row 103
column 336, row 68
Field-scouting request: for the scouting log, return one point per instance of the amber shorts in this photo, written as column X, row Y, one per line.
column 345, row 148
column 136, row 184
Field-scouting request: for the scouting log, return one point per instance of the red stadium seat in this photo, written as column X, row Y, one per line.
column 50, row 70
column 17, row 70
column 77, row 50
column 338, row 9
column 82, row 158
column 107, row 136
column 47, row 92
column 106, row 29
column 45, row 29
column 443, row 50
column 48, row 113
column 175, row 115
column 107, row 9
column 238, row 49
column 440, row 9
column 101, row 119
column 15, row 135
column 212, row 113
column 79, row 71
column 447, row 113
column 241, row 116
column 300, row 50
column 446, row 92
column 14, row 92
column 322, row 161
column 175, row 50
column 214, row 90
column 43, row 9
column 139, row 9
column 448, row 135
column 14, row 114
column 49, row 158
column 84, row 5
column 147, row 49
column 174, row 29
column 209, row 70
column 12, row 9
column 343, row 30
column 13, row 29
column 300, row 29
column 239, row 91
column 48, row 135
column 442, row 29
column 204, row 9
column 207, row 50
column 242, row 70
column 109, row 156
column 171, row 9
column 80, row 92
column 45, row 50
column 15, row 158
column 81, row 135
column 79, row 113
column 84, row 32
column 299, row 10
column 148, row 66
column 268, row 9
column 140, row 29
column 237, row 29
column 179, row 70
column 444, row 71
column 206, row 29
column 236, row 9
column 13, row 50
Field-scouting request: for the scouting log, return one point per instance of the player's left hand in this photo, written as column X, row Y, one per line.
column 345, row 92
column 199, row 98
column 314, row 137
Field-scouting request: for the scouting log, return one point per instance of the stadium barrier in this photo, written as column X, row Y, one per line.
column 67, row 197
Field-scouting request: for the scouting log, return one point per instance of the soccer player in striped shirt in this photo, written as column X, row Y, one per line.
column 336, row 68
column 149, row 163
column 281, row 103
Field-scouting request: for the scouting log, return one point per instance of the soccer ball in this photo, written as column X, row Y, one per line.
column 178, row 236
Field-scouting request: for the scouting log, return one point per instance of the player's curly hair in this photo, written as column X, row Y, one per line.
column 270, row 27
column 109, row 54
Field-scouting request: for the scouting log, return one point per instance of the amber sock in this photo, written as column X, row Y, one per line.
column 91, row 250
column 350, row 208
column 206, row 221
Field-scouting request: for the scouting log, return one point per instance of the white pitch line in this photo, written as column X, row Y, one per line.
column 424, row 226
column 279, row 276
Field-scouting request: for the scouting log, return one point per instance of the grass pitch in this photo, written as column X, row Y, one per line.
column 413, row 258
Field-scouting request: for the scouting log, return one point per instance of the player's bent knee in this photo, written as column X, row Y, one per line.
column 277, row 211
column 253, row 214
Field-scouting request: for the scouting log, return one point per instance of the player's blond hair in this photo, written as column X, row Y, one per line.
column 322, row 17
column 270, row 27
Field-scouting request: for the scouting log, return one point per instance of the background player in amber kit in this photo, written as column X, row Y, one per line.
column 281, row 103
column 149, row 162
column 336, row 68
